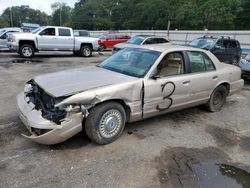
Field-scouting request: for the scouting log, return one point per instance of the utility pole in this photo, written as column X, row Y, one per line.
column 168, row 27
column 60, row 15
column 11, row 20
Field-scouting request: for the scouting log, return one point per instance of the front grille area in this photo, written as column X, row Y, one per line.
column 45, row 102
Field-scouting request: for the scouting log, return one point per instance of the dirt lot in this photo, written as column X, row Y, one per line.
column 191, row 148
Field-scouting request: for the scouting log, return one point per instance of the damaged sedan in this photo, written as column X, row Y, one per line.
column 133, row 84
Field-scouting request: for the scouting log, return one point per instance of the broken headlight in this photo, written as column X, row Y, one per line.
column 28, row 88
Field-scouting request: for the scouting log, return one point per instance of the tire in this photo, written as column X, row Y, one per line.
column 77, row 53
column 26, row 51
column 235, row 61
column 102, row 47
column 86, row 51
column 217, row 99
column 105, row 123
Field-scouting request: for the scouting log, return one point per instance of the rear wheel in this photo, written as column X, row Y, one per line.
column 217, row 99
column 105, row 123
column 26, row 51
column 86, row 51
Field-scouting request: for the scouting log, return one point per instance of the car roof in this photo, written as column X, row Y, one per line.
column 162, row 47
column 217, row 37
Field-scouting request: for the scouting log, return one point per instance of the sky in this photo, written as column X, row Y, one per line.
column 42, row 5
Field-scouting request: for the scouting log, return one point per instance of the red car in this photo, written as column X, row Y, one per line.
column 109, row 40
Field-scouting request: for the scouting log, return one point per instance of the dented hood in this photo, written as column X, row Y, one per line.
column 66, row 83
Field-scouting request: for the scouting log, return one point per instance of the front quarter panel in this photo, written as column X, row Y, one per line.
column 130, row 93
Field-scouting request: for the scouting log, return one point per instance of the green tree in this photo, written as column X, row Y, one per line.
column 61, row 14
column 24, row 14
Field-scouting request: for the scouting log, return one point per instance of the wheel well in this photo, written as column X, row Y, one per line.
column 121, row 102
column 87, row 44
column 29, row 42
column 227, row 85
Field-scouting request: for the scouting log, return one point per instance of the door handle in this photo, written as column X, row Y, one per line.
column 215, row 77
column 186, row 82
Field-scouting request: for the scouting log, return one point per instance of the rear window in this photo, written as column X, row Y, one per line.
column 200, row 62
column 64, row 32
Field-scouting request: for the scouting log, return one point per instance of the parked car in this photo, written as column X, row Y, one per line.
column 131, row 85
column 140, row 40
column 81, row 33
column 245, row 67
column 224, row 48
column 51, row 38
column 109, row 40
column 4, row 33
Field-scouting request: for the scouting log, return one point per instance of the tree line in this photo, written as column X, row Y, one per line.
column 137, row 14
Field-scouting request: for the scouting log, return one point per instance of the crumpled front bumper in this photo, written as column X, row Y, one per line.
column 56, row 133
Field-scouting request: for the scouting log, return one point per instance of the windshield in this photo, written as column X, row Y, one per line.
column 131, row 61
column 1, row 31
column 206, row 43
column 103, row 37
column 136, row 40
column 37, row 30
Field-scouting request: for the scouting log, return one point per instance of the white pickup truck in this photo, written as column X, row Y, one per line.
column 51, row 38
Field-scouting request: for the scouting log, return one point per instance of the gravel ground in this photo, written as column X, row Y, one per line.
column 190, row 148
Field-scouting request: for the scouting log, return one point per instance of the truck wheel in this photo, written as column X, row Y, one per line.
column 102, row 47
column 105, row 123
column 217, row 99
column 86, row 51
column 26, row 50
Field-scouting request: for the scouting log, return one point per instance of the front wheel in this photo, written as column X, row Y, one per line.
column 105, row 123
column 26, row 51
column 235, row 61
column 217, row 99
column 86, row 51
column 102, row 47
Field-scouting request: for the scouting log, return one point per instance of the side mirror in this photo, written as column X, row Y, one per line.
column 4, row 36
column 107, row 39
column 155, row 77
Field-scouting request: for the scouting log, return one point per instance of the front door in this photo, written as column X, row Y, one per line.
column 46, row 40
column 169, row 90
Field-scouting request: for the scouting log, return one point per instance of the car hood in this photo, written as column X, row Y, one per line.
column 245, row 65
column 23, row 33
column 66, row 83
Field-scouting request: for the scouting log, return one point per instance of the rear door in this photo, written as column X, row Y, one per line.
column 169, row 91
column 111, row 41
column 65, row 39
column 220, row 51
column 203, row 76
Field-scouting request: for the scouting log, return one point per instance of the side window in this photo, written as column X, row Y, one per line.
column 200, row 62
column 171, row 64
column 161, row 40
column 112, row 37
column 4, row 36
column 220, row 44
column 64, row 32
column 150, row 41
column 233, row 44
column 48, row 32
column 196, row 62
column 208, row 63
